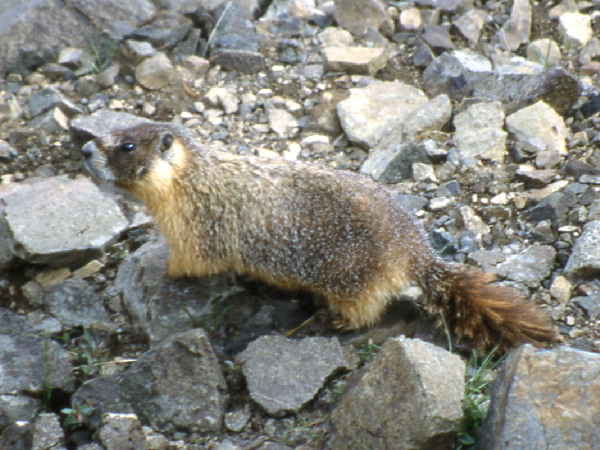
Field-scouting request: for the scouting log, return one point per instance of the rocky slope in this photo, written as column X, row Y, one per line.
column 482, row 116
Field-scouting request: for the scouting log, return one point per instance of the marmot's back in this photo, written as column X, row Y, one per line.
column 298, row 225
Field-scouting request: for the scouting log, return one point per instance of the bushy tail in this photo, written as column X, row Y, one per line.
column 489, row 314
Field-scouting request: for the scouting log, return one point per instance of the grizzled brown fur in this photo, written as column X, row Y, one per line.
column 301, row 226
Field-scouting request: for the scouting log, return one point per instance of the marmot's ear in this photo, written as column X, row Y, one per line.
column 166, row 141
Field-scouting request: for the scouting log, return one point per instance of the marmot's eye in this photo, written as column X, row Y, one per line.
column 128, row 146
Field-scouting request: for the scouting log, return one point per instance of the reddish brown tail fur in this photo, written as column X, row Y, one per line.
column 476, row 308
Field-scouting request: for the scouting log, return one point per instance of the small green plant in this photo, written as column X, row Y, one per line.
column 89, row 355
column 76, row 416
column 368, row 351
column 102, row 56
column 479, row 376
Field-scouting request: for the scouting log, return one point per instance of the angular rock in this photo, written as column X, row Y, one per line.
column 544, row 399
column 33, row 31
column 155, row 72
column 590, row 305
column 178, row 385
column 518, row 86
column 471, row 23
column 544, row 52
column 355, row 60
column 47, row 432
column 437, row 36
column 57, row 221
column 235, row 45
column 30, row 367
column 159, row 306
column 371, row 112
column 224, row 98
column 165, row 30
column 530, row 267
column 479, row 132
column 392, row 160
column 455, row 73
column 74, row 303
column 410, row 19
column 538, row 128
column 104, row 121
column 409, row 397
column 585, row 255
column 46, row 99
column 51, row 122
column 281, row 121
column 575, row 28
column 335, row 37
column 357, row 16
column 297, row 370
column 121, row 431
column 518, row 27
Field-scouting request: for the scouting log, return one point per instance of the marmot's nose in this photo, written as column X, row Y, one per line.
column 88, row 150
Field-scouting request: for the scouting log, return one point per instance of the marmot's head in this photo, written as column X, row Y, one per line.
column 133, row 156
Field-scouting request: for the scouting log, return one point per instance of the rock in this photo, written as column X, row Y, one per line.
column 335, row 37
column 46, row 99
column 178, row 385
column 519, row 86
column 165, row 30
column 104, row 121
column 136, row 51
column 57, row 221
column 479, row 132
column 538, row 128
column 74, row 303
column 544, row 52
column 437, row 36
column 355, row 60
column 31, row 367
column 392, row 161
column 455, row 73
column 51, row 122
column 590, row 305
column 370, row 112
column 159, row 306
column 121, row 431
column 530, row 267
column 410, row 19
column 552, row 207
column 17, row 436
column 585, row 255
column 224, row 98
column 108, row 77
column 575, row 28
column 235, row 45
column 544, row 399
column 7, row 151
column 470, row 221
column 409, row 397
column 518, row 27
column 471, row 23
column 155, row 72
column 47, row 432
column 281, row 121
column 35, row 31
column 297, row 370
column 358, row 16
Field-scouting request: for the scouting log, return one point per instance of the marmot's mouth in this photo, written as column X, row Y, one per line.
column 93, row 161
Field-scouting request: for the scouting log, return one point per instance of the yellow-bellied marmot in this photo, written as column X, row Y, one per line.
column 301, row 226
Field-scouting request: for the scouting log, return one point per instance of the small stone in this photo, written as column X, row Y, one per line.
column 89, row 269
column 358, row 16
column 224, row 98
column 471, row 23
column 518, row 27
column 107, row 78
column 236, row 420
column 121, row 431
column 470, row 221
column 585, row 255
column 575, row 28
column 155, row 72
column 50, row 277
column 530, row 267
column 544, row 52
column 47, row 432
column 561, row 289
column 136, row 51
column 410, row 19
column 537, row 128
column 479, row 132
column 437, row 36
column 423, row 173
column 335, row 37
column 355, row 60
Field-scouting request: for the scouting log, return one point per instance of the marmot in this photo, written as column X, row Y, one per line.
column 301, row 226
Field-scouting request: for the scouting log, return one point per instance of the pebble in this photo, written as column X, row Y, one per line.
column 155, row 72
column 575, row 28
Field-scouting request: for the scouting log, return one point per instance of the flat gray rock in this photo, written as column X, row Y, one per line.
column 295, row 370
column 545, row 399
column 104, row 121
column 56, row 221
column 409, row 397
column 530, row 267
